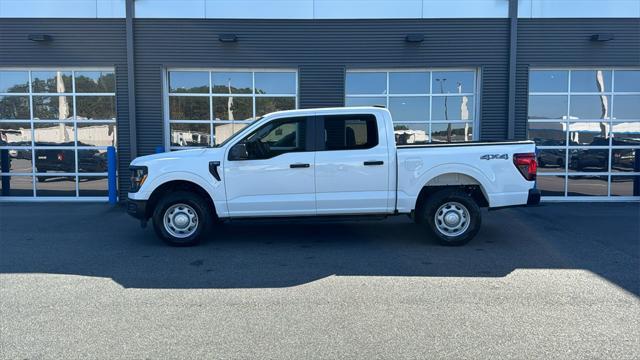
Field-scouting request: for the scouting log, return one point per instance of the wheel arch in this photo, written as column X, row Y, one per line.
column 457, row 180
column 174, row 185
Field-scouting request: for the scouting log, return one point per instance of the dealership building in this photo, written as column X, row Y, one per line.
column 143, row 76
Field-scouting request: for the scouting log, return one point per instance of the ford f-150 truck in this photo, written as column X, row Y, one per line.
column 335, row 162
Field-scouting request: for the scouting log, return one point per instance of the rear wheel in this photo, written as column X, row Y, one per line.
column 181, row 218
column 451, row 216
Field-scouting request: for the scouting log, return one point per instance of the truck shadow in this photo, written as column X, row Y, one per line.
column 95, row 240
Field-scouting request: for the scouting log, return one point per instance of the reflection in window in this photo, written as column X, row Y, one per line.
column 230, row 98
column 591, row 80
column 15, row 161
column 551, row 185
column 590, row 107
column 95, row 81
column 587, row 186
column 627, row 81
column 14, row 107
column 190, row 134
column 52, row 160
column 16, row 134
column 625, row 186
column 627, row 107
column 96, row 107
column 93, row 186
column 548, row 81
column 626, row 133
column 551, row 160
column 96, row 134
column 16, row 186
column 548, row 107
column 417, row 99
column 547, row 133
column 589, row 134
column 52, row 107
column 625, row 160
column 14, row 81
column 592, row 160
column 55, row 186
column 51, row 81
column 54, row 134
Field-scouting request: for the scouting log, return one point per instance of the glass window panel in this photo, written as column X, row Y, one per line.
column 550, row 185
column 591, row 81
column 626, row 133
column 265, row 105
column 454, row 132
column 626, row 107
column 590, row 107
column 588, row 134
column 56, row 186
column 190, row 134
column 405, row 109
column 93, row 186
column 587, row 186
column 625, row 186
column 232, row 108
column 189, row 108
column 14, row 81
column 625, row 160
column 548, row 106
column 51, row 81
column 14, row 107
column 222, row 132
column 92, row 161
column 549, row 81
column 95, row 82
column 408, row 82
column 366, row 83
column 452, row 108
column 551, row 160
column 453, row 82
column 411, row 133
column 15, row 161
column 547, row 133
column 232, row 82
column 275, row 83
column 92, row 134
column 16, row 186
column 16, row 134
column 348, row 132
column 189, row 81
column 55, row 160
column 54, row 134
column 96, row 107
column 53, row 107
column 593, row 160
column 366, row 101
column 627, row 81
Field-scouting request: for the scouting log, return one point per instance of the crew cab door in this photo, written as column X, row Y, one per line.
column 352, row 165
column 270, row 172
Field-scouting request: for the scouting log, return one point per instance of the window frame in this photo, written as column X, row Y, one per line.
column 75, row 147
column 210, row 95
column 569, row 149
column 476, row 94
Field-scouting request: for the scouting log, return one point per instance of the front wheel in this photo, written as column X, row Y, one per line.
column 181, row 218
column 452, row 217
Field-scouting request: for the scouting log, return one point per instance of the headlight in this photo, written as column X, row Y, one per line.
column 138, row 176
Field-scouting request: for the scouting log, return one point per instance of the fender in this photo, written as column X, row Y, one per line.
column 421, row 180
column 215, row 190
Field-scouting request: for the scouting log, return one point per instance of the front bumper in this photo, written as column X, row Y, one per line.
column 137, row 208
column 534, row 197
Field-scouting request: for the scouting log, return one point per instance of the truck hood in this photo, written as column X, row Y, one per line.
column 175, row 156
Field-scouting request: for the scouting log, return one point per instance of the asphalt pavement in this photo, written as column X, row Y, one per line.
column 84, row 281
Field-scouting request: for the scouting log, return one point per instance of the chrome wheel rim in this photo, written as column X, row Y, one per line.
column 452, row 219
column 180, row 220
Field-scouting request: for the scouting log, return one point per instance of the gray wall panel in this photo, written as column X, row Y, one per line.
column 76, row 42
column 321, row 50
column 566, row 43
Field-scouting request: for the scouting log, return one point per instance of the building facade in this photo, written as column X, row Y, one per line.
column 79, row 76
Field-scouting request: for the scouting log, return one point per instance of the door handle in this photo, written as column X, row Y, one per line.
column 296, row 166
column 371, row 163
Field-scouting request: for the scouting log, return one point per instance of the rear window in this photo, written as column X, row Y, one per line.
column 350, row 132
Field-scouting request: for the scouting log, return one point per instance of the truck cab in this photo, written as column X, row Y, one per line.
column 334, row 162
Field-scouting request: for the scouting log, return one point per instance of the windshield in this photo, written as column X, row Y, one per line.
column 236, row 134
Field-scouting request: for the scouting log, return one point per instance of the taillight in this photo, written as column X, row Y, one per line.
column 527, row 165
column 60, row 156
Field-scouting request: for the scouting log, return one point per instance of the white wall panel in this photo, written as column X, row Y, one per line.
column 259, row 9
column 579, row 8
column 465, row 9
column 367, row 9
column 170, row 9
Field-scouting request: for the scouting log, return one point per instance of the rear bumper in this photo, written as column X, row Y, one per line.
column 137, row 208
column 534, row 197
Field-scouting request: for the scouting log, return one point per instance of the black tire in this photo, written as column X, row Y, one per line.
column 451, row 196
column 192, row 200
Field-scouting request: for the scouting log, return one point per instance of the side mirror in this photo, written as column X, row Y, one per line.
column 238, row 152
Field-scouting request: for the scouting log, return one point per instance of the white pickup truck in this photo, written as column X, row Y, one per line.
column 338, row 162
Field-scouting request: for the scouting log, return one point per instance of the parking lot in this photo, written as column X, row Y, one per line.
column 554, row 281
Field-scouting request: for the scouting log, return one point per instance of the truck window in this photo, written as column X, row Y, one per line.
column 273, row 139
column 350, row 132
